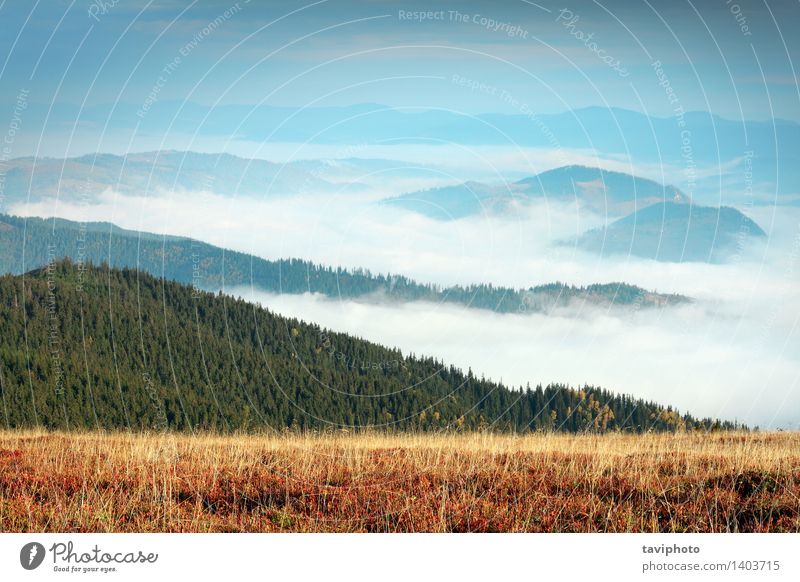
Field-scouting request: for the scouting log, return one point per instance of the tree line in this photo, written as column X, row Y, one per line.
column 27, row 243
column 88, row 346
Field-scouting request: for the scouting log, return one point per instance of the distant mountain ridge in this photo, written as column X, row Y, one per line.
column 601, row 191
column 86, row 177
column 37, row 241
column 605, row 130
column 653, row 221
column 671, row 232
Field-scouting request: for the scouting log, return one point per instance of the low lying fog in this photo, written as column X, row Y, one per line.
column 733, row 354
column 708, row 363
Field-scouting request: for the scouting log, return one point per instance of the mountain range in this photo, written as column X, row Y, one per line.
column 653, row 221
column 27, row 243
column 85, row 178
column 672, row 232
column 601, row 191
column 601, row 130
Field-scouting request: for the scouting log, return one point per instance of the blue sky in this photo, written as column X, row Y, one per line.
column 732, row 59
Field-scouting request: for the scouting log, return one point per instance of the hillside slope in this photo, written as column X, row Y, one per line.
column 33, row 242
column 603, row 191
column 672, row 232
column 91, row 347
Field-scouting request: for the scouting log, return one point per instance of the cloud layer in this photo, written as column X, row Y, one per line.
column 734, row 354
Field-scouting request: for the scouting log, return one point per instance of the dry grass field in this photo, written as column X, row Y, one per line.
column 400, row 483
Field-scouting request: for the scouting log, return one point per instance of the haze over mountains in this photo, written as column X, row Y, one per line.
column 679, row 236
column 509, row 205
column 657, row 222
column 86, row 177
column 724, row 162
column 29, row 243
column 601, row 191
column 674, row 232
column 596, row 327
column 601, row 129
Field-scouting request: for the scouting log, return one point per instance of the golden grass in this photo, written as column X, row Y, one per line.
column 406, row 482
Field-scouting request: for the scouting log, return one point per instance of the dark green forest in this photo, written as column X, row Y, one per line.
column 33, row 242
column 86, row 347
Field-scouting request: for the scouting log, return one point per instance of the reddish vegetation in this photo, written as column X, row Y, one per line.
column 618, row 483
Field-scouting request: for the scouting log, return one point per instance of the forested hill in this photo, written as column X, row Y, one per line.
column 96, row 347
column 208, row 267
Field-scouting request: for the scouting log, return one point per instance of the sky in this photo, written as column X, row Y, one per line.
column 85, row 69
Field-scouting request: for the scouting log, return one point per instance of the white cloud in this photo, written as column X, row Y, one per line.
column 691, row 357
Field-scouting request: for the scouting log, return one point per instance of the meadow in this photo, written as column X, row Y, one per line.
column 374, row 482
